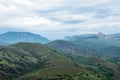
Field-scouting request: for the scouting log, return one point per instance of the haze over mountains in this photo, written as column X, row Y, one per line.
column 15, row 37
column 28, row 56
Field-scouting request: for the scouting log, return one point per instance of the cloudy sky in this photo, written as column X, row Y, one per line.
column 58, row 18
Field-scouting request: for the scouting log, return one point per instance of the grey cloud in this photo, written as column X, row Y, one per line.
column 60, row 16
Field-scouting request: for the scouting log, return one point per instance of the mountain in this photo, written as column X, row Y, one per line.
column 100, row 34
column 68, row 47
column 15, row 37
column 112, row 52
column 33, row 61
column 100, row 39
column 107, row 61
column 84, row 57
column 100, row 42
column 21, row 58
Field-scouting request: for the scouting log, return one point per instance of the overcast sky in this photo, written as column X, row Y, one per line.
column 58, row 18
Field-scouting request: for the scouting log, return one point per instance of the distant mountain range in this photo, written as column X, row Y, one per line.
column 100, row 42
column 96, row 39
column 94, row 36
column 15, row 37
column 100, row 38
column 83, row 57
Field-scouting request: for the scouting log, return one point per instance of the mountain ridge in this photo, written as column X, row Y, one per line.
column 16, row 37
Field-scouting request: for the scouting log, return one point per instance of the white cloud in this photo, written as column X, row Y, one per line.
column 61, row 16
column 5, row 9
column 30, row 21
column 73, row 17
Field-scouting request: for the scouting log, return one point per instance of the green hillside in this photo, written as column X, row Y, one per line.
column 32, row 61
column 110, row 66
column 21, row 58
column 68, row 47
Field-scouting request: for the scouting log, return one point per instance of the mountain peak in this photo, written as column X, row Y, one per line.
column 101, row 34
